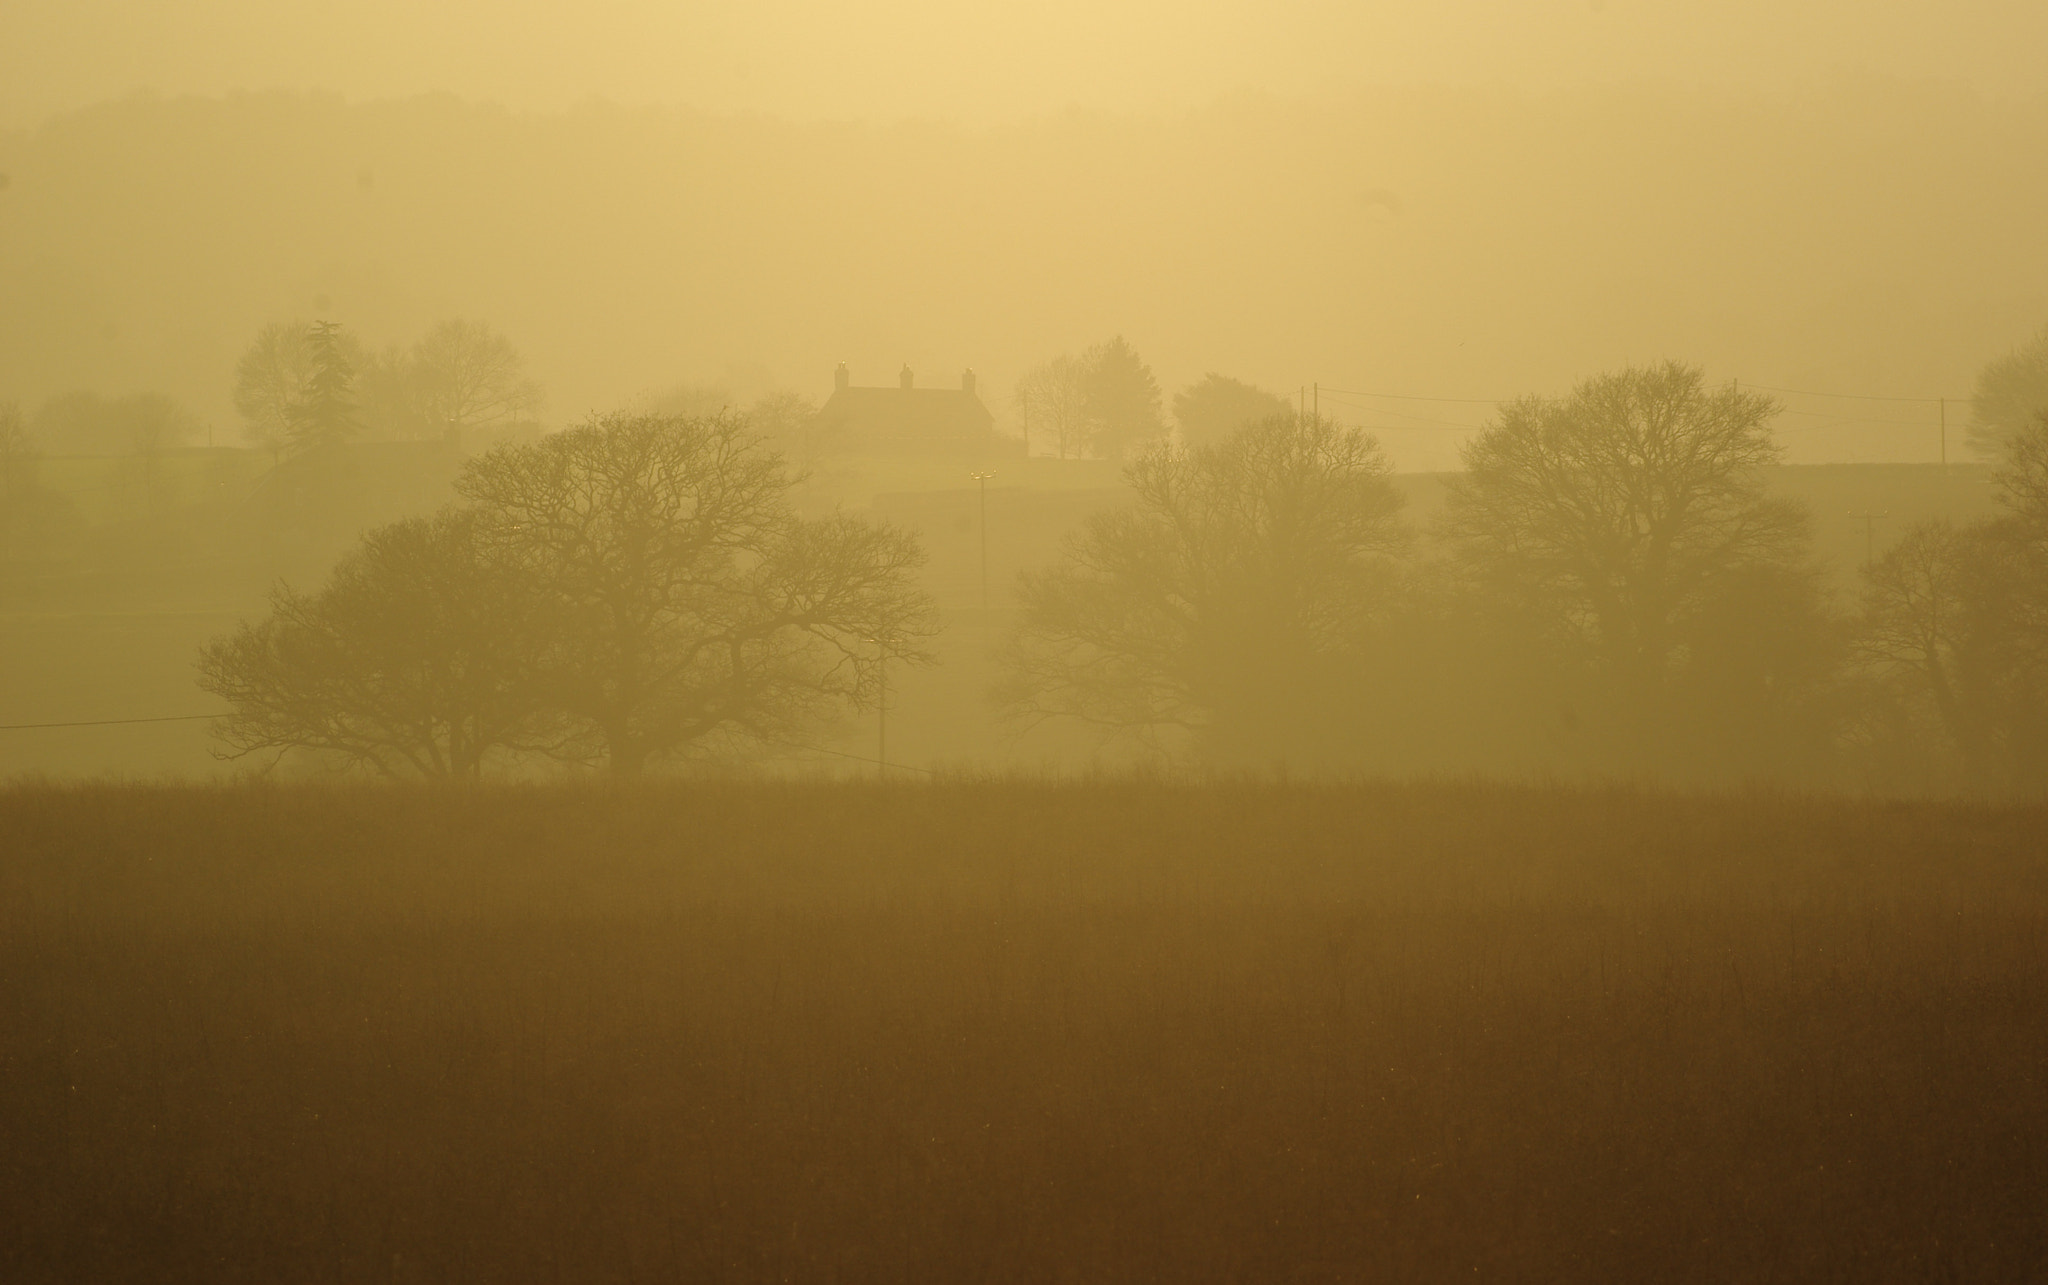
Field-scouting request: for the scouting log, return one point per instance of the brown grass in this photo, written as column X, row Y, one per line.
column 1019, row 1032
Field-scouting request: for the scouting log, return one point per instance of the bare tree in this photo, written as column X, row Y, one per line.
column 1052, row 398
column 1241, row 579
column 685, row 606
column 470, row 376
column 2010, row 395
column 270, row 381
column 2022, row 477
column 1955, row 619
column 1914, row 617
column 410, row 661
column 1612, row 511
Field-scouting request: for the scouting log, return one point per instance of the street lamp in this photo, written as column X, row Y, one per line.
column 982, row 478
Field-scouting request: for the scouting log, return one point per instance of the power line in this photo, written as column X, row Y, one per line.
column 108, row 722
column 1855, row 397
column 1852, row 419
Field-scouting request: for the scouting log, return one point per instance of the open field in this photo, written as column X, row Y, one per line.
column 1005, row 1031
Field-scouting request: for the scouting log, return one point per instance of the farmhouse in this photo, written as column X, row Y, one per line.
column 906, row 416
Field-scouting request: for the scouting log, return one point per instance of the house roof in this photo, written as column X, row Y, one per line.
column 906, row 412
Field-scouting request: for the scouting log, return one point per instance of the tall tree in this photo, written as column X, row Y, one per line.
column 2022, row 477
column 1218, row 406
column 2010, row 395
column 1955, row 622
column 270, row 382
column 325, row 413
column 470, row 376
column 1613, row 511
column 1121, row 398
column 1226, row 602
column 1913, row 620
column 1052, row 400
column 410, row 661
column 685, row 605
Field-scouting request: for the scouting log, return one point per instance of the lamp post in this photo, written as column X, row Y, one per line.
column 981, row 477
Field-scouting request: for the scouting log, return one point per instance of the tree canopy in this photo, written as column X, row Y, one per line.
column 470, row 376
column 1217, row 406
column 1052, row 401
column 2011, row 394
column 325, row 412
column 1120, row 398
column 410, row 661
column 1220, row 602
column 630, row 590
column 1613, row 511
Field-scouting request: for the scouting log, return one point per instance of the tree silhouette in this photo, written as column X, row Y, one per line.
column 1955, row 624
column 325, row 413
column 684, row 607
column 1120, row 398
column 1218, row 406
column 2010, row 395
column 1612, row 512
column 1222, row 602
column 470, row 376
column 270, row 378
column 410, row 661
column 1052, row 399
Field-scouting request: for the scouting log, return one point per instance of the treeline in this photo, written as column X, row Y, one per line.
column 1610, row 590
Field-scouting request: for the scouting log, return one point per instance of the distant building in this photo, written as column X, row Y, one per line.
column 905, row 416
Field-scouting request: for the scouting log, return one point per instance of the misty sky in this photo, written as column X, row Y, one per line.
column 979, row 62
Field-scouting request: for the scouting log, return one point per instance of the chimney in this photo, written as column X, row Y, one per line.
column 840, row 379
column 967, row 381
column 904, row 377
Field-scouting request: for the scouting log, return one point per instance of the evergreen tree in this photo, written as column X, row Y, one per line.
column 325, row 413
column 1121, row 397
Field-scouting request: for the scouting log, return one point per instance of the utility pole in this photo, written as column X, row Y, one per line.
column 1944, row 437
column 882, row 708
column 982, row 476
column 1869, row 521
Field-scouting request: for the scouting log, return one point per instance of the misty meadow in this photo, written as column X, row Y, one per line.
column 855, row 646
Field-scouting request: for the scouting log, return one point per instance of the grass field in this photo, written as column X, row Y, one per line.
column 1006, row 1031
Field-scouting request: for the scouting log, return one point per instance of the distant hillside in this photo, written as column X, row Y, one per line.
column 1865, row 238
